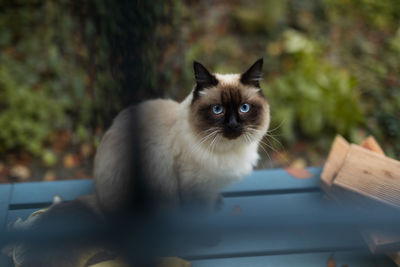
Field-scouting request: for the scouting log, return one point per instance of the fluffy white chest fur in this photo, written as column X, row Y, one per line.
column 179, row 162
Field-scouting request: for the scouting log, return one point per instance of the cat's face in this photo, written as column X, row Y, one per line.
column 230, row 106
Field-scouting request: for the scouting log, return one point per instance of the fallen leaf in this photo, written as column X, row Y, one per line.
column 300, row 173
column 49, row 176
column 70, row 161
column 331, row 262
column 299, row 163
column 20, row 172
column 370, row 143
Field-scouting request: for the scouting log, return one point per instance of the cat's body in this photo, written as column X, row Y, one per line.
column 183, row 159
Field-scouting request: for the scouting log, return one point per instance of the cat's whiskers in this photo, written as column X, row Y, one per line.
column 211, row 134
column 204, row 139
column 277, row 127
column 249, row 137
column 261, row 144
column 214, row 142
column 268, row 144
column 266, row 152
column 281, row 147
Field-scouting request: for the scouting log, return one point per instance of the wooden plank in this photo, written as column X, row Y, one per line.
column 336, row 157
column 275, row 241
column 5, row 191
column 42, row 193
column 264, row 181
column 370, row 143
column 382, row 241
column 273, row 181
column 279, row 205
column 352, row 259
column 270, row 241
column 371, row 175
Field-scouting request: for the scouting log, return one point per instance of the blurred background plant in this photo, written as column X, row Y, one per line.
column 67, row 68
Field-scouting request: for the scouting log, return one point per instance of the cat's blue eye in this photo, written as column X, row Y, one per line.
column 244, row 108
column 217, row 109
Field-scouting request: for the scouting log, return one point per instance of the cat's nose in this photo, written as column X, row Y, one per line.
column 233, row 123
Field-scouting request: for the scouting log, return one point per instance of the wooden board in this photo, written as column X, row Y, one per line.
column 266, row 241
column 350, row 259
column 259, row 182
column 371, row 175
column 370, row 143
column 336, row 157
column 275, row 181
column 37, row 194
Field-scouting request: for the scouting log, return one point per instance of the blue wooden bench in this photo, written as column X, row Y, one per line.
column 263, row 191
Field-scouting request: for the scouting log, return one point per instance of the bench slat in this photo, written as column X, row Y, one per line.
column 353, row 259
column 276, row 241
column 274, row 181
column 282, row 204
column 269, row 241
column 43, row 192
column 264, row 182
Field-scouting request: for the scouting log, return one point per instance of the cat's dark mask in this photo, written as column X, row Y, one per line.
column 231, row 104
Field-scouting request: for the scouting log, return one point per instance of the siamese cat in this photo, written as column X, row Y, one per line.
column 174, row 154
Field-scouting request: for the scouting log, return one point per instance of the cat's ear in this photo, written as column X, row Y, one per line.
column 253, row 75
column 204, row 78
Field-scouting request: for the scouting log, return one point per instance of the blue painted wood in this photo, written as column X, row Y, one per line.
column 274, row 181
column 270, row 241
column 278, row 205
column 260, row 181
column 276, row 241
column 263, row 192
column 351, row 259
column 43, row 192
column 5, row 191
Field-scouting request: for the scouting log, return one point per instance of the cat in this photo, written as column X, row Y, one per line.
column 179, row 154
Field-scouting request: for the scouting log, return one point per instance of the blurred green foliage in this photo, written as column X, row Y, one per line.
column 72, row 65
column 331, row 66
column 313, row 96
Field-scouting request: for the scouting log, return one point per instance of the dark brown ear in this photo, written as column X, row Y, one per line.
column 253, row 75
column 204, row 79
